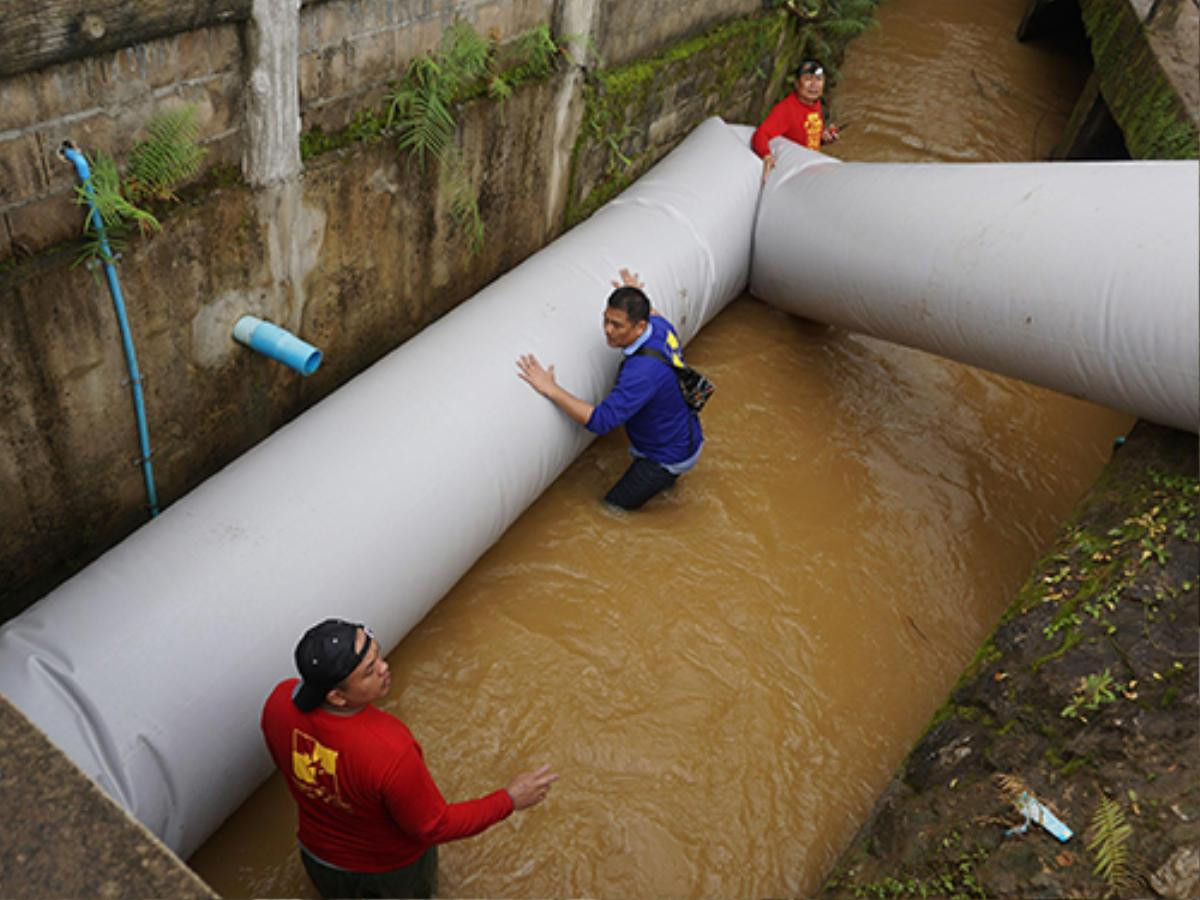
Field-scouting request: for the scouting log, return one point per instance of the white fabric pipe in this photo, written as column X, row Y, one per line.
column 149, row 668
column 1082, row 277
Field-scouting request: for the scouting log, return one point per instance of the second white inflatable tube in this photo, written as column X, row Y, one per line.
column 1081, row 277
column 150, row 666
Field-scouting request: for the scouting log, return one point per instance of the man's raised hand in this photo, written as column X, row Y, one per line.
column 530, row 788
column 629, row 279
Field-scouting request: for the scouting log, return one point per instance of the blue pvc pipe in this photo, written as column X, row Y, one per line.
column 280, row 345
column 114, row 288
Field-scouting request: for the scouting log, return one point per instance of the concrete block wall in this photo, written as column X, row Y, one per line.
column 628, row 29
column 103, row 103
column 350, row 49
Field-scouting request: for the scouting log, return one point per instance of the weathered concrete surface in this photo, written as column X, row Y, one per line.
column 1087, row 688
column 345, row 53
column 356, row 256
column 71, row 840
column 350, row 50
column 355, row 253
column 630, row 29
column 103, row 102
column 1147, row 59
column 40, row 33
column 1091, row 132
column 635, row 113
column 272, row 149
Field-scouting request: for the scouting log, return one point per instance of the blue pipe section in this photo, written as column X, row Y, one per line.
column 280, row 345
column 114, row 288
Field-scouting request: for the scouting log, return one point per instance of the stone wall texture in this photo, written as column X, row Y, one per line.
column 1147, row 58
column 355, row 253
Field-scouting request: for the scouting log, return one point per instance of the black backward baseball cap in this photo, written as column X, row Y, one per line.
column 325, row 657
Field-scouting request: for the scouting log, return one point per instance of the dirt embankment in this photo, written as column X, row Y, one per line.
column 1085, row 698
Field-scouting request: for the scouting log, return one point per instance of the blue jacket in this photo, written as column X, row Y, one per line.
column 647, row 400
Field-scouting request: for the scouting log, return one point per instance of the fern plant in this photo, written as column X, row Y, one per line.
column 156, row 165
column 114, row 208
column 1107, row 839
column 539, row 54
column 168, row 156
column 421, row 108
column 419, row 113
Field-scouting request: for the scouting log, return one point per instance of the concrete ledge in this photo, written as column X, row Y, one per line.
column 1146, row 56
column 72, row 840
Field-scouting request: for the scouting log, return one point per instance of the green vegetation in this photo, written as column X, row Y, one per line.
column 156, row 166
column 1119, row 568
column 620, row 102
column 951, row 873
column 1107, row 839
column 1090, row 579
column 750, row 56
column 166, row 157
column 824, row 27
column 1094, row 691
column 1152, row 116
column 420, row 113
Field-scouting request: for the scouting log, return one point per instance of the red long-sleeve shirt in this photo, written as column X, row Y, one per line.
column 793, row 119
column 367, row 802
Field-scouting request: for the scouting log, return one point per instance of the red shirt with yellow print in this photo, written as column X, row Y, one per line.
column 367, row 802
column 793, row 119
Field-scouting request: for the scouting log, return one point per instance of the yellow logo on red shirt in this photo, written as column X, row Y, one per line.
column 314, row 769
column 813, row 127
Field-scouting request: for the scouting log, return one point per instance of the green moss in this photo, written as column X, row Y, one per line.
column 986, row 656
column 619, row 103
column 1069, row 768
column 1006, row 727
column 316, row 141
column 1070, row 639
column 616, row 100
column 222, row 175
column 1152, row 116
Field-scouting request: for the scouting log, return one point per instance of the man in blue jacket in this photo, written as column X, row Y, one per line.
column 646, row 399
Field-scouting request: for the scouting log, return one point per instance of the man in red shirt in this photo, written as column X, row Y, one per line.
column 371, row 816
column 799, row 117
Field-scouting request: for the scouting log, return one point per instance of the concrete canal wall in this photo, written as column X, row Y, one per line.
column 305, row 213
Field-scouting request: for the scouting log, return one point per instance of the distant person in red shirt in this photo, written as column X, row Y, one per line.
column 799, row 117
column 371, row 816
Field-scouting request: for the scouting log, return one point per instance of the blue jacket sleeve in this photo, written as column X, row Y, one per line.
column 633, row 390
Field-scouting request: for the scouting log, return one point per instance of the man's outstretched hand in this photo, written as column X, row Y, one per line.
column 542, row 380
column 531, row 371
column 530, row 788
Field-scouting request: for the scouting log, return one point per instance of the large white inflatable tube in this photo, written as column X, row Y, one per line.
column 149, row 668
column 1081, row 277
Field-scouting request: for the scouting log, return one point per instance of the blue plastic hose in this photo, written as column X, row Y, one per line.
column 114, row 288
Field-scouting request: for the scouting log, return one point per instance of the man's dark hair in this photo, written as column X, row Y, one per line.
column 808, row 67
column 632, row 302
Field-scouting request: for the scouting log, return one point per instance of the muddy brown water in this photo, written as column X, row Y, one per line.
column 727, row 679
